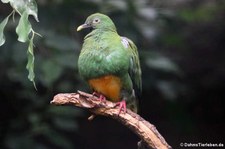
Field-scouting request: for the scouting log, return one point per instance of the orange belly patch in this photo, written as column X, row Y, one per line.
column 109, row 86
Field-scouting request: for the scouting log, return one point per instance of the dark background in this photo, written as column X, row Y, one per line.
column 182, row 52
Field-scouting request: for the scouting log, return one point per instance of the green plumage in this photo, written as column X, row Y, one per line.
column 104, row 53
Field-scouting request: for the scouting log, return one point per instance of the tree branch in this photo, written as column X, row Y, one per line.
column 146, row 131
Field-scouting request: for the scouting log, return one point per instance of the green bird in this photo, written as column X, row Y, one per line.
column 110, row 63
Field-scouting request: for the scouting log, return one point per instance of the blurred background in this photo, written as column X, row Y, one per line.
column 182, row 51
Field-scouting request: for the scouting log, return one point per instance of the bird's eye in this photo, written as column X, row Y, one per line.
column 96, row 20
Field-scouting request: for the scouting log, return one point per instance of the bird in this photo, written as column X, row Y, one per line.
column 109, row 63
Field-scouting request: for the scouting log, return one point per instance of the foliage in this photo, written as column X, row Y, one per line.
column 24, row 8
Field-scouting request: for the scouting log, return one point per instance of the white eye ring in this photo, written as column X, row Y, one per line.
column 97, row 20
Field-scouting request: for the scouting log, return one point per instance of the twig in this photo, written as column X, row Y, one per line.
column 147, row 132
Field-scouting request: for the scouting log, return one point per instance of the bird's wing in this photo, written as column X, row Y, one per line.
column 134, row 66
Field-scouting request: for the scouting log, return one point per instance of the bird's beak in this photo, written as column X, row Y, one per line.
column 83, row 26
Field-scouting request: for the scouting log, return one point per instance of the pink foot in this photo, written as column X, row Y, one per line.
column 122, row 106
column 96, row 94
column 100, row 96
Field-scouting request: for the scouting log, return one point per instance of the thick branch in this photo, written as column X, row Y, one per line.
column 146, row 131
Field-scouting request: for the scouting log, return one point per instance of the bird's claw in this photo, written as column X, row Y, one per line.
column 100, row 96
column 122, row 106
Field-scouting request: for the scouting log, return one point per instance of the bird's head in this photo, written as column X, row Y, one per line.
column 98, row 21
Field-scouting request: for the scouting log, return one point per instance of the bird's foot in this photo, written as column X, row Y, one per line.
column 122, row 106
column 95, row 94
column 100, row 96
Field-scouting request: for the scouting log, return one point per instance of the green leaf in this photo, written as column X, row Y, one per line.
column 2, row 26
column 30, row 6
column 30, row 63
column 18, row 5
column 32, row 9
column 24, row 28
column 5, row 1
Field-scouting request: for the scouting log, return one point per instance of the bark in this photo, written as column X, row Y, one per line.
column 147, row 132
